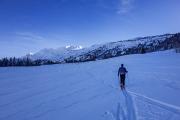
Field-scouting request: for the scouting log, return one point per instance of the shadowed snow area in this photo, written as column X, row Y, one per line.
column 90, row 91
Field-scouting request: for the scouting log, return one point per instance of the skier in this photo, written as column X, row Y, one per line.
column 122, row 74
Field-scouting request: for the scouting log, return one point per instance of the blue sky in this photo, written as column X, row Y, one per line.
column 30, row 25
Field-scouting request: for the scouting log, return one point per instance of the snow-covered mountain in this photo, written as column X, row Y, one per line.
column 70, row 54
column 58, row 54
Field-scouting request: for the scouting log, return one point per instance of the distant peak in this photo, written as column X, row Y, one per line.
column 29, row 54
column 71, row 47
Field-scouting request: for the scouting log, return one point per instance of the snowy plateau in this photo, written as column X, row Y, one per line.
column 90, row 90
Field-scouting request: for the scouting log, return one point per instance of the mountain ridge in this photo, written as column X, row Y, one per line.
column 74, row 54
column 103, row 51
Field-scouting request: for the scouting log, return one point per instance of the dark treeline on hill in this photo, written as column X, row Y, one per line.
column 104, row 53
column 12, row 61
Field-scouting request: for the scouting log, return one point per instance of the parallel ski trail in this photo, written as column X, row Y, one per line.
column 120, row 113
column 127, row 108
column 166, row 106
column 131, row 115
column 128, row 111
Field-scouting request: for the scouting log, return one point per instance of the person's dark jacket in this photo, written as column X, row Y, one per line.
column 122, row 71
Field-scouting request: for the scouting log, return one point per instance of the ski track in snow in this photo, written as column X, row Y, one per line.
column 118, row 111
column 166, row 106
column 129, row 106
column 120, row 115
column 128, row 112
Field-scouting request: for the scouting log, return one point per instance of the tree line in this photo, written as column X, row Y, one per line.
column 13, row 61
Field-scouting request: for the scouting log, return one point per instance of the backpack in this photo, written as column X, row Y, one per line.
column 122, row 71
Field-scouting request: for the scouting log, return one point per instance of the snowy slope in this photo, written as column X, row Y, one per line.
column 65, row 52
column 136, row 41
column 56, row 54
column 90, row 91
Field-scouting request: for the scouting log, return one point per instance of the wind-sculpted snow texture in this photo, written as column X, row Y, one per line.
column 90, row 91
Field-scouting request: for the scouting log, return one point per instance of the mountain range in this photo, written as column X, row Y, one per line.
column 70, row 54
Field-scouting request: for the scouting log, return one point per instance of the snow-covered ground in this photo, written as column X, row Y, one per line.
column 90, row 91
